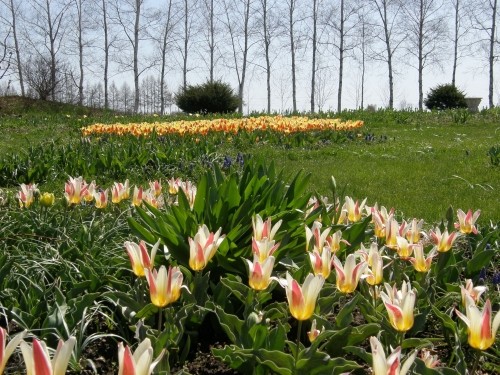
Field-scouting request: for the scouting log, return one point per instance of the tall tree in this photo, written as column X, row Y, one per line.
column 343, row 21
column 426, row 36
column 390, row 32
column 314, row 42
column 189, row 21
column 106, row 46
column 210, row 30
column 237, row 23
column 291, row 30
column 45, row 30
column 460, row 29
column 10, row 17
column 484, row 16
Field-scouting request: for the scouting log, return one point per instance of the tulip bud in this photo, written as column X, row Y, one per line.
column 47, row 199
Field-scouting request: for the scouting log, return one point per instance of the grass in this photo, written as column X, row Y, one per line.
column 420, row 163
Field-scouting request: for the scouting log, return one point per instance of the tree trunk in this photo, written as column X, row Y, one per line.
column 421, row 57
column 455, row 42
column 245, row 55
column 389, row 55
column 16, row 46
column 186, row 40
column 136, row 54
column 166, row 35
column 267, row 43
column 341, row 57
column 492, row 53
column 314, row 47
column 80, row 51
column 212, row 40
column 292, row 53
column 106, row 54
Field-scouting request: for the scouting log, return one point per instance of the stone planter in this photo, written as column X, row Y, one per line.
column 473, row 104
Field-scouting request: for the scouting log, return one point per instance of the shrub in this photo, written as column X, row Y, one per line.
column 209, row 97
column 445, row 97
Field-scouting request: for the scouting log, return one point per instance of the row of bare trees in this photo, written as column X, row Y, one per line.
column 46, row 46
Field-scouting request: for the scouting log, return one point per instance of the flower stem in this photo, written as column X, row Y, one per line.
column 299, row 329
column 160, row 316
column 476, row 362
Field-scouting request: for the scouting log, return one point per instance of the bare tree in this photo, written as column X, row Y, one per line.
column 45, row 31
column 10, row 18
column 484, row 16
column 164, row 39
column 364, row 38
column 390, row 33
column 461, row 28
column 128, row 14
column 39, row 74
column 315, row 14
column 237, row 23
column 291, row 30
column 268, row 27
column 189, row 8
column 343, row 21
column 5, row 56
column 426, row 36
column 210, row 30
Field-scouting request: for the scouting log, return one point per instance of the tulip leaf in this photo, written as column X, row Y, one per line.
column 140, row 230
column 337, row 341
column 147, row 311
column 231, row 324
column 279, row 362
column 415, row 342
column 237, row 288
column 344, row 317
column 361, row 333
column 359, row 352
column 479, row 261
column 239, row 359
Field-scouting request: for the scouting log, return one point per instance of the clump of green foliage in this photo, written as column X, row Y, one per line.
column 209, row 97
column 445, row 97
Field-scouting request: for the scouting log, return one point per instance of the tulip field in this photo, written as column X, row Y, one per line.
column 130, row 245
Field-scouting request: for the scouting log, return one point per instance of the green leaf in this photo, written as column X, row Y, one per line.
column 344, row 317
column 147, row 311
column 479, row 261
column 279, row 362
column 140, row 230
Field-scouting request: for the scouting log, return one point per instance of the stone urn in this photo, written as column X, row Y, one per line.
column 473, row 104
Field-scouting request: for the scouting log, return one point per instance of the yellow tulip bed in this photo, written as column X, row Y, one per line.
column 280, row 124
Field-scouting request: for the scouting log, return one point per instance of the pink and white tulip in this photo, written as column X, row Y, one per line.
column 37, row 358
column 203, row 247
column 139, row 363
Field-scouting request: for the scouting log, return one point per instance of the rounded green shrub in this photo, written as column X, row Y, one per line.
column 445, row 97
column 209, row 97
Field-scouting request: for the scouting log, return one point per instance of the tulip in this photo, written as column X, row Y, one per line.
column 189, row 190
column 375, row 269
column 391, row 233
column 139, row 257
column 89, row 193
column 400, row 305
column 139, row 363
column 6, row 351
column 481, row 333
column 466, row 222
column 137, row 196
column 380, row 219
column 164, row 286
column 203, row 247
column 321, row 262
column 315, row 237
column 101, row 198
column 348, row 276
column 120, row 191
column 430, row 361
column 26, row 195
column 302, row 300
column 155, row 187
column 173, row 186
column 314, row 332
column 148, row 196
column 264, row 248
column 443, row 241
column 264, row 229
column 47, row 199
column 74, row 190
column 404, row 248
column 413, row 231
column 354, row 209
column 333, row 241
column 383, row 365
column 420, row 262
column 474, row 292
column 260, row 273
column 37, row 358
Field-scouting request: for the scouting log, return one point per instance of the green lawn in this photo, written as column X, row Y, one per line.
column 419, row 163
